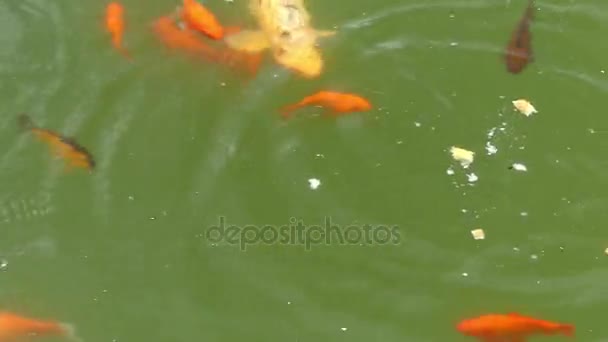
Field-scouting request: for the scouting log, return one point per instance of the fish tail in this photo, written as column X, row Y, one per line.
column 286, row 110
column 117, row 42
column 253, row 63
column 125, row 52
column 530, row 10
column 70, row 332
column 309, row 100
column 25, row 122
column 566, row 329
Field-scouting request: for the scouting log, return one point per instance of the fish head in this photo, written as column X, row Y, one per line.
column 198, row 17
column 492, row 325
column 114, row 9
column 362, row 104
column 215, row 31
column 277, row 17
column 291, row 16
column 208, row 23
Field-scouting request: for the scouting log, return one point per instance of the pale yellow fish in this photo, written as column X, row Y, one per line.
column 465, row 157
column 284, row 28
column 524, row 106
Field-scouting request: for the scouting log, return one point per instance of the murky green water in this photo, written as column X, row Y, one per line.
column 124, row 254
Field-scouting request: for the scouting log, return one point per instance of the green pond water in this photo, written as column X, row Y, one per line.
column 133, row 251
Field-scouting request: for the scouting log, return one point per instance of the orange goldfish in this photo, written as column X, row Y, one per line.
column 198, row 17
column 186, row 40
column 64, row 147
column 519, row 49
column 115, row 25
column 512, row 327
column 13, row 327
column 336, row 103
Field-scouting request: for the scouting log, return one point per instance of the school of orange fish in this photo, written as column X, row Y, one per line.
column 198, row 22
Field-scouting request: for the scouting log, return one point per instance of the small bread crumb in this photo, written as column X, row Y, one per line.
column 478, row 234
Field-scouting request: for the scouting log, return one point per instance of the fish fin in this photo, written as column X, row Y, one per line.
column 25, row 122
column 68, row 140
column 177, row 13
column 68, row 168
column 491, row 339
column 248, row 41
column 306, row 62
column 326, row 33
column 73, row 165
column 253, row 62
column 334, row 113
column 230, row 30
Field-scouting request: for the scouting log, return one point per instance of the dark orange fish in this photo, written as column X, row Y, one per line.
column 198, row 17
column 336, row 103
column 14, row 327
column 115, row 25
column 512, row 327
column 66, row 148
column 188, row 41
column 519, row 49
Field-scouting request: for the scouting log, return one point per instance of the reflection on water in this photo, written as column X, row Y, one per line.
column 519, row 269
column 25, row 208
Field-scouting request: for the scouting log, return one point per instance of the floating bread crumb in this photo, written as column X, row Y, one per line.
column 314, row 183
column 465, row 157
column 524, row 106
column 472, row 177
column 519, row 167
column 478, row 234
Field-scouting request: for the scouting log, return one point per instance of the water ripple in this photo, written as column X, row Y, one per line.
column 227, row 134
column 595, row 82
column 398, row 10
column 110, row 143
column 502, row 268
column 48, row 74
